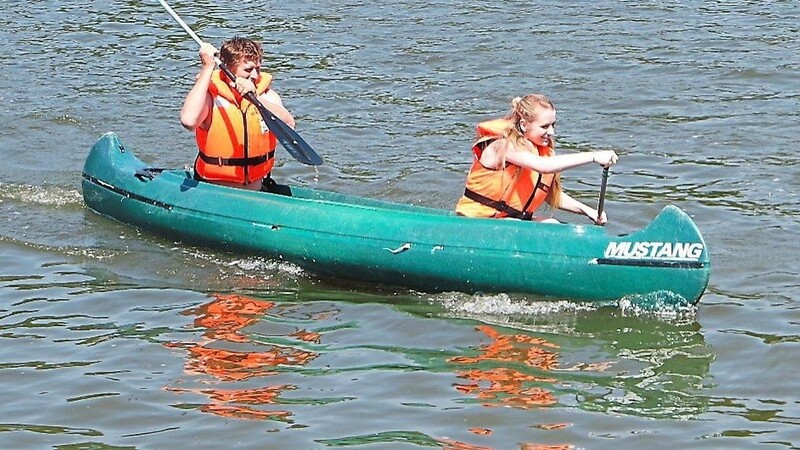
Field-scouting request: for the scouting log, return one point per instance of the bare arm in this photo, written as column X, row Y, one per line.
column 558, row 163
column 273, row 102
column 197, row 104
column 543, row 164
column 570, row 204
column 551, row 164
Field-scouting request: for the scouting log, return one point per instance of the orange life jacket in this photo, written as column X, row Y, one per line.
column 512, row 191
column 237, row 147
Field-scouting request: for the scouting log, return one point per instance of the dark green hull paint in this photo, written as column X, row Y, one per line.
column 422, row 248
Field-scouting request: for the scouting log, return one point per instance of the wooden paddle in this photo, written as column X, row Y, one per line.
column 289, row 138
column 602, row 200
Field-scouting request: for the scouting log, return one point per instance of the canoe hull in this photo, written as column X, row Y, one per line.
column 388, row 243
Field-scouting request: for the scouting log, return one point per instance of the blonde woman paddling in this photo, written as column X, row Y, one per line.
column 515, row 169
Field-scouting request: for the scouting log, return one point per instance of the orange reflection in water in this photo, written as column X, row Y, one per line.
column 224, row 318
column 507, row 385
column 531, row 446
column 224, row 402
column 449, row 444
column 504, row 384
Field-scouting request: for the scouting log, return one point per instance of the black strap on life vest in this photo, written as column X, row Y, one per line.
column 240, row 162
column 498, row 205
column 503, row 207
column 539, row 187
column 484, row 142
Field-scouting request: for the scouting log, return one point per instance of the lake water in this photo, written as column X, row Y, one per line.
column 114, row 338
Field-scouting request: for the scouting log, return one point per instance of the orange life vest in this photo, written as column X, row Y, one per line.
column 237, row 147
column 512, row 191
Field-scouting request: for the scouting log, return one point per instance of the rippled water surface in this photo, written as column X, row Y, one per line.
column 114, row 338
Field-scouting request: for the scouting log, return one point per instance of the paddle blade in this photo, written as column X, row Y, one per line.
column 289, row 139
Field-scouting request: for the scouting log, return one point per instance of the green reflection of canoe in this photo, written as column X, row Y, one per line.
column 394, row 244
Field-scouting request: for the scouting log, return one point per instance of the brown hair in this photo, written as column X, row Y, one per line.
column 526, row 109
column 240, row 49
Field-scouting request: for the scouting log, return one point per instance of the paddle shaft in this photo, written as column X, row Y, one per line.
column 183, row 24
column 289, row 138
column 602, row 200
column 199, row 41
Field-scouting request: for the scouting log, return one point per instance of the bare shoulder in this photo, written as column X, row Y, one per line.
column 503, row 146
column 490, row 158
column 271, row 96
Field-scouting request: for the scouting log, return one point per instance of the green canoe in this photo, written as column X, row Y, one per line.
column 394, row 244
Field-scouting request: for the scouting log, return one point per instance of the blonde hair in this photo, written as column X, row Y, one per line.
column 526, row 109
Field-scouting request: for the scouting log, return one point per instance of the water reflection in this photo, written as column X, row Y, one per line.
column 455, row 445
column 511, row 370
column 599, row 361
column 227, row 354
column 502, row 384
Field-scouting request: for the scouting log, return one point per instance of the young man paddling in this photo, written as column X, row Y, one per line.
column 235, row 146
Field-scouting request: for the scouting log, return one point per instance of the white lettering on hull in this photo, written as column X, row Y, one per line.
column 673, row 251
